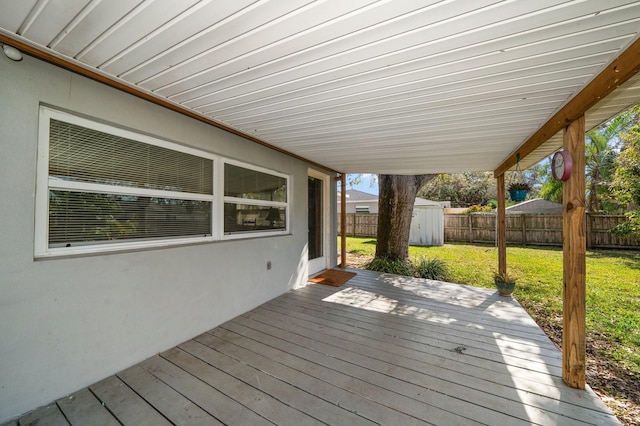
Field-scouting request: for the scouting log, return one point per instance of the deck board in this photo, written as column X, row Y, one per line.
column 262, row 398
column 305, row 376
column 125, row 404
column 381, row 349
column 391, row 350
column 49, row 415
column 173, row 405
column 351, row 359
column 199, row 390
column 84, row 408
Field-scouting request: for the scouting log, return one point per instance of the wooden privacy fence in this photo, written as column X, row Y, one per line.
column 361, row 224
column 530, row 229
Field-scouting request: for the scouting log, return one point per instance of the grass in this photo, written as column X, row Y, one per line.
column 613, row 289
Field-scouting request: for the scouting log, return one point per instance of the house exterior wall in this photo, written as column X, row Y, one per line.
column 68, row 322
column 372, row 205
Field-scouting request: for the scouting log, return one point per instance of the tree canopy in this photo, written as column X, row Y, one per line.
column 625, row 185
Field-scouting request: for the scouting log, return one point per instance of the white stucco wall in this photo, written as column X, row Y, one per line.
column 66, row 323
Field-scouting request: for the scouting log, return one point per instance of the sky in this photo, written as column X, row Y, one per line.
column 367, row 184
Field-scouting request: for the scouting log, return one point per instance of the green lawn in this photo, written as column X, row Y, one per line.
column 613, row 289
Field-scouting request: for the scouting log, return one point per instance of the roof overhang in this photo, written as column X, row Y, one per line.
column 361, row 86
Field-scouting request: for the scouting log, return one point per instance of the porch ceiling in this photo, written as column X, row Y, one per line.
column 359, row 86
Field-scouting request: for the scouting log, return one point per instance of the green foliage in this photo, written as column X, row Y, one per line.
column 354, row 179
column 476, row 208
column 504, row 277
column 626, row 181
column 390, row 266
column 462, row 189
column 519, row 186
column 601, row 152
column 432, row 269
column 551, row 189
column 631, row 227
column 423, row 267
column 478, row 188
column 625, row 185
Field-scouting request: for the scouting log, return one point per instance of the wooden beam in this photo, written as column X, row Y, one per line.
column 85, row 71
column 574, row 260
column 620, row 70
column 502, row 227
column 343, row 220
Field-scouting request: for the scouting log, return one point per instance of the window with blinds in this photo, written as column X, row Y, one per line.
column 112, row 187
column 104, row 188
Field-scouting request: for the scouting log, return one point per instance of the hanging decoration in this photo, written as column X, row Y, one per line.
column 519, row 189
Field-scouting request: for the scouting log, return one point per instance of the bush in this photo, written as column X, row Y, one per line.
column 629, row 228
column 477, row 208
column 432, row 269
column 389, row 266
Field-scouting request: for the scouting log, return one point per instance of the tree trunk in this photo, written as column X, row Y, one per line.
column 395, row 209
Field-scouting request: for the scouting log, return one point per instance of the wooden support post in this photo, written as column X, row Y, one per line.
column 502, row 226
column 574, row 255
column 343, row 220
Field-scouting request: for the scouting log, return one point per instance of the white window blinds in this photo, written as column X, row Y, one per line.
column 105, row 188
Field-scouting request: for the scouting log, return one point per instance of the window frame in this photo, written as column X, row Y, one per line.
column 45, row 183
column 253, row 202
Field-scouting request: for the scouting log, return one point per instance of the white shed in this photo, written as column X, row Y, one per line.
column 427, row 224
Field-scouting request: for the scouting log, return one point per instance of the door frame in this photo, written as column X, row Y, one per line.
column 321, row 263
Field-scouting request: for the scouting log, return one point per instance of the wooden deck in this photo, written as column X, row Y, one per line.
column 380, row 349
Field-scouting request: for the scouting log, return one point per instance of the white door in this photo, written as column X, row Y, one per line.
column 318, row 242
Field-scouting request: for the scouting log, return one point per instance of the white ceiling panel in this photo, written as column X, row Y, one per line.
column 412, row 86
column 47, row 19
column 14, row 13
column 142, row 21
column 94, row 20
column 335, row 60
column 159, row 50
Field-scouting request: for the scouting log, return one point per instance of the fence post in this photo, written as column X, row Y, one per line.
column 589, row 230
column 523, row 225
column 470, row 217
column 355, row 222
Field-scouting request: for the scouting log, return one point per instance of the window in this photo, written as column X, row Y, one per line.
column 255, row 200
column 108, row 188
column 102, row 188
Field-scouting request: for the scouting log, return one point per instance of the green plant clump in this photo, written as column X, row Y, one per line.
column 432, row 269
column 519, row 186
column 477, row 208
column 389, row 266
column 503, row 277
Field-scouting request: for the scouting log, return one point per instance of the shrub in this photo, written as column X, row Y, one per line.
column 432, row 269
column 503, row 277
column 389, row 266
column 477, row 208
